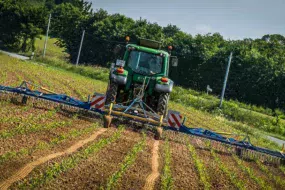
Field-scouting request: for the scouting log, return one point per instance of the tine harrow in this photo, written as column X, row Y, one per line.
column 242, row 148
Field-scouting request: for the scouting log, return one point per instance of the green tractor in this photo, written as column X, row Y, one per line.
column 145, row 67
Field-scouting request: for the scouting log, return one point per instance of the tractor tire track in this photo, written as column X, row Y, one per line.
column 24, row 171
column 150, row 180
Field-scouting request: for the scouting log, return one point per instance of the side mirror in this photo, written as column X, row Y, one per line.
column 174, row 61
column 120, row 63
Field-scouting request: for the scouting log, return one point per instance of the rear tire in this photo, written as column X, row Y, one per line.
column 162, row 104
column 111, row 93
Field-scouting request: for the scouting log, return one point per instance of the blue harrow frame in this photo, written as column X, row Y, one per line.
column 25, row 91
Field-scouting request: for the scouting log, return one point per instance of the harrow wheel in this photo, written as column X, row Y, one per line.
column 238, row 151
column 24, row 100
column 158, row 133
column 107, row 121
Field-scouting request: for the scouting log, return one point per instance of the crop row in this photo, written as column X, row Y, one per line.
column 167, row 179
column 31, row 118
column 249, row 171
column 86, row 85
column 204, row 178
column 54, row 82
column 17, row 77
column 231, row 175
column 68, row 163
column 38, row 74
column 3, row 76
column 129, row 160
column 28, row 128
column 59, row 80
column 25, row 128
column 81, row 89
column 277, row 179
column 47, row 145
column 282, row 168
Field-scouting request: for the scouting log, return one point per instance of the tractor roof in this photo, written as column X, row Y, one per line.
column 147, row 49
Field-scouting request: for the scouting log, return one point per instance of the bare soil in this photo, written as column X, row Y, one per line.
column 95, row 172
column 183, row 170
column 32, row 140
column 136, row 175
column 218, row 179
column 24, row 171
column 152, row 177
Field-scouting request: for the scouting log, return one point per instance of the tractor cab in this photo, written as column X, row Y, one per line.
column 145, row 63
column 144, row 67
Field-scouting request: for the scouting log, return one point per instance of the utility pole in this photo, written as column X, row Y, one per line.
column 45, row 46
column 80, row 47
column 226, row 79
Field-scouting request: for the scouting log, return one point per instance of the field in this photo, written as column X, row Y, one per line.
column 43, row 147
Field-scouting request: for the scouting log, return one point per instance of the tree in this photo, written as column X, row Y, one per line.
column 20, row 24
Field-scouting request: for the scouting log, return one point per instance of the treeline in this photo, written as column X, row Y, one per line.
column 257, row 71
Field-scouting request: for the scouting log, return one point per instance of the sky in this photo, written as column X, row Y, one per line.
column 234, row 19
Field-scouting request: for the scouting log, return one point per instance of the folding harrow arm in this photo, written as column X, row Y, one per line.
column 241, row 147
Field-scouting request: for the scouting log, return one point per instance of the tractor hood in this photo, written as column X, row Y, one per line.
column 137, row 78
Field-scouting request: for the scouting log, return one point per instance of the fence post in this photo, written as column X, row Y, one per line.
column 45, row 46
column 80, row 47
column 226, row 79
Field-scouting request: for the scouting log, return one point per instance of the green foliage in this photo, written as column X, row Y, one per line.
column 166, row 179
column 20, row 23
column 95, row 72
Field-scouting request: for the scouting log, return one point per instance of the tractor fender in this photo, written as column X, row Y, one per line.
column 164, row 87
column 119, row 79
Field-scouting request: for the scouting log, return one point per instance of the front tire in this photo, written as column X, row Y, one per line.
column 162, row 104
column 111, row 93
